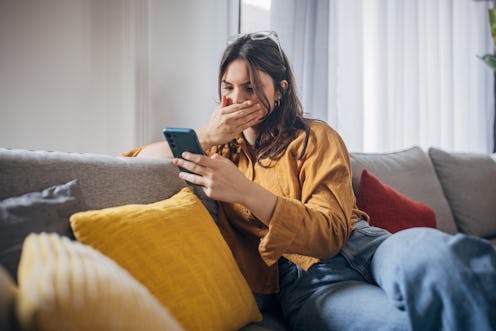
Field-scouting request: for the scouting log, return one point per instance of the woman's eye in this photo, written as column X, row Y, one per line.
column 227, row 88
column 249, row 89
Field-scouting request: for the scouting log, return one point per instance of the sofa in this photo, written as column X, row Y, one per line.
column 457, row 190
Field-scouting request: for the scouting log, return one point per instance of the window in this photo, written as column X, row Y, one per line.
column 255, row 15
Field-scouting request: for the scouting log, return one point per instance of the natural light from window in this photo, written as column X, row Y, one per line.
column 255, row 15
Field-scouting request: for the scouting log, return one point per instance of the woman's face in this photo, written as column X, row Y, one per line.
column 237, row 88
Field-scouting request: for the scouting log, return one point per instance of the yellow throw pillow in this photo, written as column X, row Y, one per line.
column 65, row 285
column 175, row 249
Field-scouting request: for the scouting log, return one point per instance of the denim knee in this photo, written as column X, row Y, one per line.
column 422, row 251
column 445, row 282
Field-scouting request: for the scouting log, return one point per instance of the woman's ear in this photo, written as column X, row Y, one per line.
column 284, row 84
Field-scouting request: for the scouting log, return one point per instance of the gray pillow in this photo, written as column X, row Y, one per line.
column 45, row 211
column 411, row 173
column 469, row 183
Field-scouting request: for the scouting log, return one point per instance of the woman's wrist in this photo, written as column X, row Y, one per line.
column 260, row 201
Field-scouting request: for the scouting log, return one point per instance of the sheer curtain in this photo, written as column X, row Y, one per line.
column 389, row 74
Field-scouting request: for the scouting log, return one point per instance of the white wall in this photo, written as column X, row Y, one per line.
column 53, row 72
column 186, row 42
column 102, row 76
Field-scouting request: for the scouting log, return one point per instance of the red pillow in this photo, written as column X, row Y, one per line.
column 389, row 209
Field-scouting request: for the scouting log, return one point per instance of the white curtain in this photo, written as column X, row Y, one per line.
column 303, row 29
column 389, row 74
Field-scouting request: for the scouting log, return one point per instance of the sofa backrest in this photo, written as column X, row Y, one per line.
column 105, row 181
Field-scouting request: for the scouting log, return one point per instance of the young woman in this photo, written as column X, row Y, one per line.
column 288, row 212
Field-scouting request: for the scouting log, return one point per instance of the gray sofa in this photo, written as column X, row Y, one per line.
column 460, row 188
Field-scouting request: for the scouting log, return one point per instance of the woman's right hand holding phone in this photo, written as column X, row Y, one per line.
column 228, row 121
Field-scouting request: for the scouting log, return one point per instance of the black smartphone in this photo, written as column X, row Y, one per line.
column 182, row 140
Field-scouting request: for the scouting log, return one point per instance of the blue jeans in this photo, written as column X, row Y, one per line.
column 416, row 279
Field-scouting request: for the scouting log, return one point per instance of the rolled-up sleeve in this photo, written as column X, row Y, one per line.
column 134, row 152
column 319, row 223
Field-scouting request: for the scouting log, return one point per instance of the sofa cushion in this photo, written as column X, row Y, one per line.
column 272, row 321
column 65, row 285
column 469, row 183
column 175, row 249
column 411, row 173
column 46, row 210
column 389, row 209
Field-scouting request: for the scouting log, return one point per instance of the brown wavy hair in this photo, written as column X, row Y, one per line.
column 283, row 123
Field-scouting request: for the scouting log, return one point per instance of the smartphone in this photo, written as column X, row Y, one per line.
column 182, row 140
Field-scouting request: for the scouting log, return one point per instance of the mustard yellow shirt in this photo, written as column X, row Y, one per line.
column 314, row 213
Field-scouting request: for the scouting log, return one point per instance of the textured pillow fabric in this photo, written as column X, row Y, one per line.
column 175, row 249
column 48, row 210
column 389, row 209
column 469, row 183
column 411, row 173
column 65, row 285
column 7, row 298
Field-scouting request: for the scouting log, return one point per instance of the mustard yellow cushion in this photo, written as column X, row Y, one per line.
column 175, row 249
column 65, row 285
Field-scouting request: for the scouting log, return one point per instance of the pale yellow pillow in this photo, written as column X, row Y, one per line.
column 175, row 249
column 65, row 285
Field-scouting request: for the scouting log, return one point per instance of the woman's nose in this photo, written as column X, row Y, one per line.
column 238, row 96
